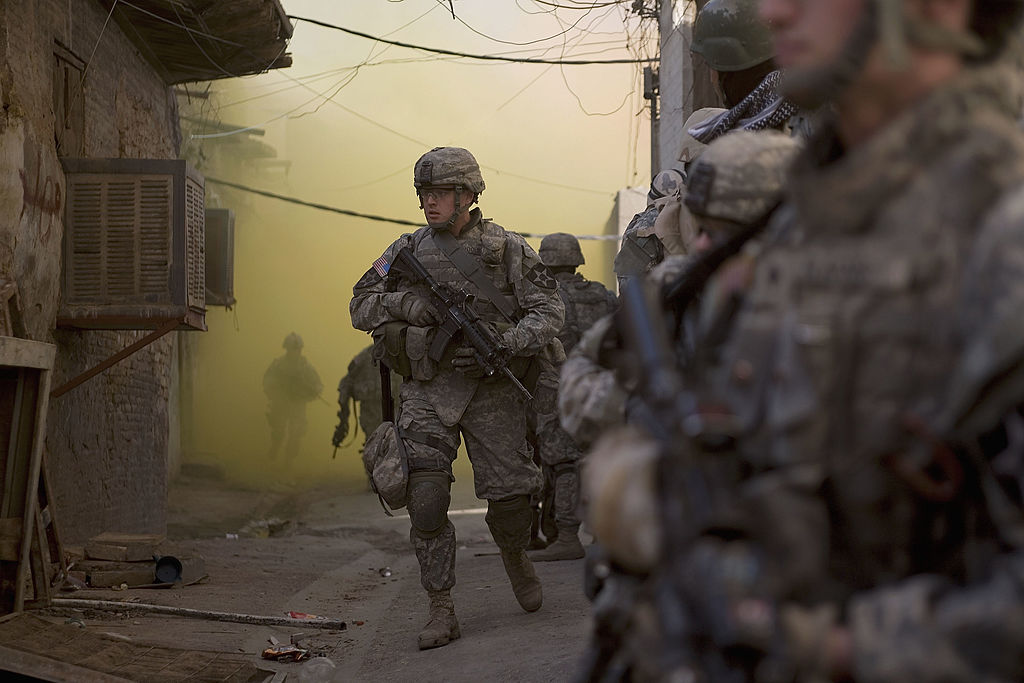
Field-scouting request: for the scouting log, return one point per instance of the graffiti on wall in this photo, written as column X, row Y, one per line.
column 42, row 195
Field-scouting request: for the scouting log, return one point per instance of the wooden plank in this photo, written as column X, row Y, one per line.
column 10, row 538
column 32, row 502
column 44, row 668
column 142, row 575
column 25, row 353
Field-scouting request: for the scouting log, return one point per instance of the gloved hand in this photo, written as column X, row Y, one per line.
column 509, row 342
column 465, row 362
column 414, row 309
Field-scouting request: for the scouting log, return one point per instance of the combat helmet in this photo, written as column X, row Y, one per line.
column 665, row 183
column 561, row 249
column 739, row 176
column 448, row 166
column 730, row 36
column 292, row 341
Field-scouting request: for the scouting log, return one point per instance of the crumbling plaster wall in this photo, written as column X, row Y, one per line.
column 107, row 446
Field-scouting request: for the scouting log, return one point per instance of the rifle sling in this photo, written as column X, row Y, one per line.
column 472, row 271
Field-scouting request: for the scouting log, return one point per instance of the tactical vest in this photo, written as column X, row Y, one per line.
column 848, row 334
column 486, row 243
column 585, row 303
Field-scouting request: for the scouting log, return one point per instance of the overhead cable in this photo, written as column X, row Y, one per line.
column 495, row 58
column 367, row 216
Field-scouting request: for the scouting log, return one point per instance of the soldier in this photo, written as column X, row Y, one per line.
column 738, row 47
column 874, row 375
column 585, row 302
column 289, row 383
column 440, row 399
column 361, row 387
column 641, row 248
column 737, row 182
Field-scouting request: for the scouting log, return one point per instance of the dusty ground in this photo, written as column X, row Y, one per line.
column 327, row 559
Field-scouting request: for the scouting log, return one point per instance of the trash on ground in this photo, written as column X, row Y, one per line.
column 384, row 571
column 264, row 528
column 285, row 653
column 303, row 615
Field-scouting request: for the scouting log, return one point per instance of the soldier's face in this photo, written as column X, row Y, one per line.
column 439, row 203
column 810, row 34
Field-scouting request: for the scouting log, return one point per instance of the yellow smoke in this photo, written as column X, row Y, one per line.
column 295, row 266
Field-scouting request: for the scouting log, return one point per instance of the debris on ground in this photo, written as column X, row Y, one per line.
column 264, row 528
column 120, row 561
column 116, row 606
column 285, row 653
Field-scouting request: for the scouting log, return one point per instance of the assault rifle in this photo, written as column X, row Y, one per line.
column 459, row 316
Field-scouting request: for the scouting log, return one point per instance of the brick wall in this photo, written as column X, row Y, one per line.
column 107, row 446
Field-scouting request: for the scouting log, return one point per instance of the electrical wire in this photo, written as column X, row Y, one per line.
column 497, row 58
column 529, row 42
column 85, row 71
column 314, row 205
column 359, row 214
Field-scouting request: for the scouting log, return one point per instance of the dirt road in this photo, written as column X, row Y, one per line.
column 334, row 553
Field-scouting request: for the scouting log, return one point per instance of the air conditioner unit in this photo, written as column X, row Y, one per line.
column 220, row 257
column 133, row 245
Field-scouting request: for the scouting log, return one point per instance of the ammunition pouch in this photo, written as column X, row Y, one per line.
column 403, row 348
column 387, row 465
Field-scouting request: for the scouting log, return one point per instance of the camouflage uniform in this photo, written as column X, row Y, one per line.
column 737, row 180
column 641, row 248
column 289, row 383
column 361, row 385
column 439, row 403
column 882, row 338
column 585, row 302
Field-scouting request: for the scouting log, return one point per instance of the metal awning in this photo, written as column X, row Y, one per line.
column 202, row 40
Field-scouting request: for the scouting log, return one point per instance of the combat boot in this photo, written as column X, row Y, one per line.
column 443, row 627
column 525, row 583
column 567, row 546
column 509, row 522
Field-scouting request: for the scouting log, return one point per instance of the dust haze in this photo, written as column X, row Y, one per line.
column 343, row 128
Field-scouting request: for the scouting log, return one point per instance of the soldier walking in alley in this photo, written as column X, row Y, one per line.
column 289, row 383
column 585, row 302
column 452, row 389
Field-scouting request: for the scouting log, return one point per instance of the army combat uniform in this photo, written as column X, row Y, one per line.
column 585, row 302
column 440, row 404
column 879, row 350
column 361, row 386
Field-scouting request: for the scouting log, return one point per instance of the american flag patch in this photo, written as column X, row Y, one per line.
column 382, row 266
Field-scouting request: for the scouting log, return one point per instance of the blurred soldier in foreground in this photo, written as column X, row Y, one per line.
column 289, row 383
column 739, row 183
column 466, row 383
column 361, row 387
column 847, row 502
column 585, row 301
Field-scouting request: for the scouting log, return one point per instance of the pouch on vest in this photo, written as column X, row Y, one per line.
column 417, row 345
column 387, row 464
column 389, row 347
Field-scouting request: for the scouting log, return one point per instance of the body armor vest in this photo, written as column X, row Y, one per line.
column 849, row 330
column 585, row 302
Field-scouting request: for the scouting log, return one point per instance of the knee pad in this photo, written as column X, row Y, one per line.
column 429, row 496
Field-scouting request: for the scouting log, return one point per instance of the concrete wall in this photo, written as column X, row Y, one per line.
column 684, row 79
column 107, row 446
